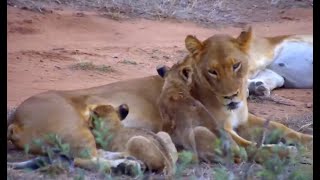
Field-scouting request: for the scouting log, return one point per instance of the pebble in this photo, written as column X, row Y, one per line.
column 309, row 105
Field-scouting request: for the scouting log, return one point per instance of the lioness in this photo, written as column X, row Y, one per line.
column 75, row 132
column 187, row 120
column 220, row 66
column 156, row 151
column 280, row 61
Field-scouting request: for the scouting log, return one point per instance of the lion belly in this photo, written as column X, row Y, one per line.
column 142, row 113
column 294, row 62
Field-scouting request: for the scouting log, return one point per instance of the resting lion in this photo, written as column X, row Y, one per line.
column 221, row 69
column 187, row 120
column 280, row 61
column 75, row 132
column 156, row 151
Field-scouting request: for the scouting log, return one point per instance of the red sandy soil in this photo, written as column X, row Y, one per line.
column 42, row 47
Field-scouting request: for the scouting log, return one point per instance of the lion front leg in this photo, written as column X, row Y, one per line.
column 289, row 134
column 207, row 144
column 236, row 137
column 117, row 166
column 154, row 156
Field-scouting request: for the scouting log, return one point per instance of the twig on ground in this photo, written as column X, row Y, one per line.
column 277, row 100
column 259, row 144
column 263, row 137
column 305, row 126
column 57, row 1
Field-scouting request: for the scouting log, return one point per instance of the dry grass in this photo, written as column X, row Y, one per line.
column 128, row 62
column 300, row 167
column 89, row 66
column 204, row 171
column 210, row 12
column 302, row 123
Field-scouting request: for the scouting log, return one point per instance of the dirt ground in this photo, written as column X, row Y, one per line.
column 55, row 50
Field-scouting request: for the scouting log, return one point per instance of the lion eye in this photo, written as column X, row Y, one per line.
column 236, row 66
column 213, row 73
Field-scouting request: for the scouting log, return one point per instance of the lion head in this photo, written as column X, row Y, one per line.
column 221, row 65
column 110, row 115
column 176, row 105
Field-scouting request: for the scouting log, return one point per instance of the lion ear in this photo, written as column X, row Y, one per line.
column 193, row 45
column 162, row 70
column 92, row 109
column 186, row 73
column 92, row 114
column 123, row 111
column 244, row 38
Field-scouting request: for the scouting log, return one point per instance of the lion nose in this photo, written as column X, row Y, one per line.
column 232, row 96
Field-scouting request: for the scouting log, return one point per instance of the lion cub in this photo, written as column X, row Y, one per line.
column 157, row 151
column 186, row 119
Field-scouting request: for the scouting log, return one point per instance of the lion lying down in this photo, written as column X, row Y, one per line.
column 156, row 151
column 280, row 61
column 221, row 67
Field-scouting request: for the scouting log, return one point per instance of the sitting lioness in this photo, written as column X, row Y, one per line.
column 187, row 120
column 220, row 65
column 156, row 151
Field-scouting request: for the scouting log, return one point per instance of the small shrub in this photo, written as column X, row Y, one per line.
column 89, row 66
column 185, row 159
column 80, row 175
column 128, row 62
column 221, row 173
column 52, row 146
column 101, row 132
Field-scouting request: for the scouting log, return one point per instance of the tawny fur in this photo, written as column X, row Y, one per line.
column 42, row 112
column 142, row 144
column 270, row 67
column 222, row 68
column 76, row 132
column 186, row 119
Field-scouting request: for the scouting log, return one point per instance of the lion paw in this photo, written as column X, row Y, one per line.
column 259, row 88
column 129, row 167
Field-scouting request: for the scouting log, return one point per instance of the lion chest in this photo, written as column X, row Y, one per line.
column 237, row 117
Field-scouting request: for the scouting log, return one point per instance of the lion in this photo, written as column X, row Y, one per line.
column 157, row 151
column 280, row 61
column 192, row 126
column 186, row 119
column 127, row 144
column 220, row 65
column 75, row 132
